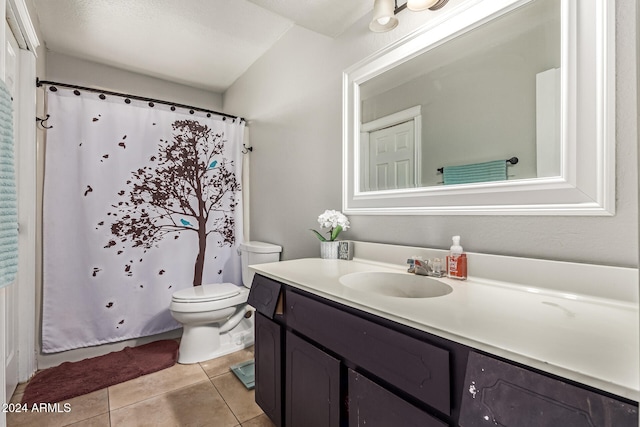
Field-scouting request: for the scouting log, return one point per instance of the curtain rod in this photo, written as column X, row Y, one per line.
column 151, row 101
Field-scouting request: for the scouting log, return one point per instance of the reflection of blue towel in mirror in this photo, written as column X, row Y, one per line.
column 495, row 170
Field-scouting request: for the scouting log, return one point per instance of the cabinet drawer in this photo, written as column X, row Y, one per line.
column 511, row 396
column 373, row 406
column 416, row 367
column 264, row 295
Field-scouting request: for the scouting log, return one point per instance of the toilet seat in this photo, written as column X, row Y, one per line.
column 206, row 293
column 209, row 302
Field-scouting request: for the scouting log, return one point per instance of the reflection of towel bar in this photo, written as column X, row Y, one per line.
column 513, row 161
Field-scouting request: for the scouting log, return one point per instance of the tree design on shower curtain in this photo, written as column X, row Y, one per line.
column 189, row 187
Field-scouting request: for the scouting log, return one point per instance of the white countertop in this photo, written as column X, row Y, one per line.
column 588, row 339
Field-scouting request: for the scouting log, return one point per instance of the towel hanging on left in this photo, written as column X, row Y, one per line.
column 8, row 196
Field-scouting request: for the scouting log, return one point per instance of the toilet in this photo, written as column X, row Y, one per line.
column 216, row 319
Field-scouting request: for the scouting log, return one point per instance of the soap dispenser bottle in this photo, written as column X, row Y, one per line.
column 456, row 261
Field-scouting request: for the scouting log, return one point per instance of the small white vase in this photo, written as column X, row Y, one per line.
column 329, row 250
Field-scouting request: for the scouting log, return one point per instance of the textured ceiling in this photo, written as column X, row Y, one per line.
column 328, row 17
column 201, row 43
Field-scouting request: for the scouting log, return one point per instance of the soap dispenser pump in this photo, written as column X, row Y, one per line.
column 456, row 261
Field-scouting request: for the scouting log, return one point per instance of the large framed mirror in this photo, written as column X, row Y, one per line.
column 502, row 107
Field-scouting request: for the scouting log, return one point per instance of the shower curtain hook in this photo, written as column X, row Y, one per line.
column 41, row 122
column 246, row 149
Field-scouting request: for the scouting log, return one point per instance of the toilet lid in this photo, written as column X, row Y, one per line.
column 206, row 293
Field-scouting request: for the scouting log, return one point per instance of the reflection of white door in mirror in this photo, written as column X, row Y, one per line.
column 391, row 157
column 391, row 151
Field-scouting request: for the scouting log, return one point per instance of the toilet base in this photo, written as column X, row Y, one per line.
column 204, row 342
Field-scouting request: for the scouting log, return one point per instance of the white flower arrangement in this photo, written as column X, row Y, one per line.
column 335, row 221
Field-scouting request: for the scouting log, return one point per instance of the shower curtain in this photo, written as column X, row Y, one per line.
column 140, row 200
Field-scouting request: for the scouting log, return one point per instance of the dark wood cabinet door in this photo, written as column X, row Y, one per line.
column 268, row 365
column 312, row 385
column 502, row 394
column 371, row 405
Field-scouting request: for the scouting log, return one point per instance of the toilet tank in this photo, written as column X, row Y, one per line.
column 256, row 253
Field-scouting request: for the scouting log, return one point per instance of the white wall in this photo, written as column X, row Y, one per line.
column 68, row 69
column 292, row 100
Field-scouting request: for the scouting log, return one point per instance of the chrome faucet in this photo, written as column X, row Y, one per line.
column 422, row 267
column 419, row 266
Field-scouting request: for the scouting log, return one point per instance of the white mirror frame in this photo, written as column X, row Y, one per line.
column 586, row 185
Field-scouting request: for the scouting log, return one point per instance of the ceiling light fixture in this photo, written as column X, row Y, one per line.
column 384, row 12
column 383, row 16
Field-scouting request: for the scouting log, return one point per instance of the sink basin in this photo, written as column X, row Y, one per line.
column 401, row 285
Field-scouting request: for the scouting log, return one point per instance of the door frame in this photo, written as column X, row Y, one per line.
column 27, row 195
column 16, row 14
column 11, row 306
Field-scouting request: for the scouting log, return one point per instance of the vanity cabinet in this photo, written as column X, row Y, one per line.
column 511, row 396
column 321, row 363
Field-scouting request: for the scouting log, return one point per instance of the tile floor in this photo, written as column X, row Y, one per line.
column 204, row 394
